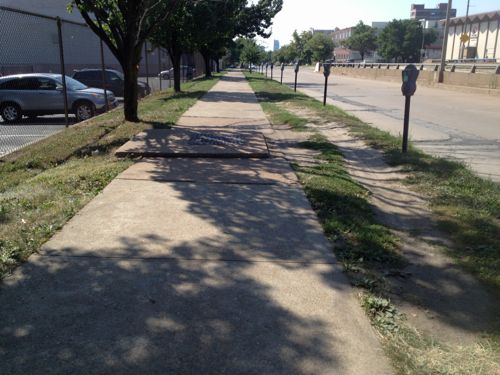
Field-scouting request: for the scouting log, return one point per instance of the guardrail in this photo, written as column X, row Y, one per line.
column 458, row 67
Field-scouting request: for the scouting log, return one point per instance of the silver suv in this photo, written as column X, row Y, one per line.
column 42, row 94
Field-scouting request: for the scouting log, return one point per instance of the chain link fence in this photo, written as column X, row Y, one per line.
column 33, row 43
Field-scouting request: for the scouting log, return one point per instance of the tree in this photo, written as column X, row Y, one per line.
column 286, row 54
column 218, row 22
column 251, row 53
column 363, row 39
column 300, row 43
column 124, row 26
column 176, row 37
column 401, row 40
column 321, row 47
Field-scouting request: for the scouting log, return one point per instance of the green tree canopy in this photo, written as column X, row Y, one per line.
column 363, row 39
column 217, row 22
column 300, row 43
column 401, row 40
column 286, row 54
column 321, row 47
column 124, row 26
column 251, row 52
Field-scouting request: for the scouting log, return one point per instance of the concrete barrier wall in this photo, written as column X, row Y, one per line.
column 426, row 77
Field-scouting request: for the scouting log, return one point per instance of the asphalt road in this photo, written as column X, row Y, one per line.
column 455, row 125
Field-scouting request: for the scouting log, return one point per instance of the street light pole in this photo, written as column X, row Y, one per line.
column 445, row 43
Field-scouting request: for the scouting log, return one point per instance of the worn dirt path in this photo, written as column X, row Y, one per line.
column 436, row 295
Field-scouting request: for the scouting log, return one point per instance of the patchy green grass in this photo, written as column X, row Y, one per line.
column 281, row 116
column 44, row 184
column 342, row 206
column 466, row 205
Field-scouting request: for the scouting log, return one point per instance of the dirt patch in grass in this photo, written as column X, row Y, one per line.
column 44, row 184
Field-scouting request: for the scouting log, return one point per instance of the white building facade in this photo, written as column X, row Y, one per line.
column 482, row 39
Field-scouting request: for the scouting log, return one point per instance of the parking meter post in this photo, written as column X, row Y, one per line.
column 63, row 70
column 325, row 92
column 326, row 73
column 296, row 73
column 103, row 75
column 408, row 88
column 406, row 123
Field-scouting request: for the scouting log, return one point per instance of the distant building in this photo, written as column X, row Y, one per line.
column 342, row 53
column 326, row 32
column 276, row 45
column 379, row 26
column 483, row 31
column 339, row 35
column 420, row 12
column 429, row 18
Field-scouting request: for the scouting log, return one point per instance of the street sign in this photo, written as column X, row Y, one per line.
column 464, row 38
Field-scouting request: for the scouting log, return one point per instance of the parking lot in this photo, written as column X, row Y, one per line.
column 28, row 131
column 16, row 136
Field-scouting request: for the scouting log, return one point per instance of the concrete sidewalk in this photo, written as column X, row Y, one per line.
column 190, row 266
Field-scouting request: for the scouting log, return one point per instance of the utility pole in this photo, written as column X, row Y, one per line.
column 464, row 31
column 445, row 43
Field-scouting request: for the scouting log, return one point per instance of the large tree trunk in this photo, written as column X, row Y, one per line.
column 217, row 64
column 176, row 63
column 206, row 58
column 130, row 96
column 175, row 56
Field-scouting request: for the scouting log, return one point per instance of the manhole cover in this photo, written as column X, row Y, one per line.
column 212, row 139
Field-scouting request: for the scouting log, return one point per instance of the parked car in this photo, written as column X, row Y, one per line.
column 114, row 81
column 42, row 94
column 187, row 71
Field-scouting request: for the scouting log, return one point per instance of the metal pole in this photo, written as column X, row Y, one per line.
column 295, row 85
column 406, row 123
column 159, row 66
column 63, row 70
column 464, row 28
column 103, row 75
column 324, row 95
column 445, row 43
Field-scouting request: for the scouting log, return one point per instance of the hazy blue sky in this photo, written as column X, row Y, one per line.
column 328, row 14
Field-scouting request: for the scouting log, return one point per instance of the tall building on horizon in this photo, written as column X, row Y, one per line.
column 276, row 45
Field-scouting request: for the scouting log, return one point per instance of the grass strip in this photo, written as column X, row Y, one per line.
column 44, row 184
column 366, row 248
column 466, row 207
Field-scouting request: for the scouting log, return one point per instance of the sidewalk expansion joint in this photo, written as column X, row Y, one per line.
column 174, row 259
column 211, row 182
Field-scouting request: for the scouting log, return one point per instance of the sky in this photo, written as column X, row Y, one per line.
column 327, row 14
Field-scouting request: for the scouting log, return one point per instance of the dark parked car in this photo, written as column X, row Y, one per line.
column 42, row 94
column 114, row 81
